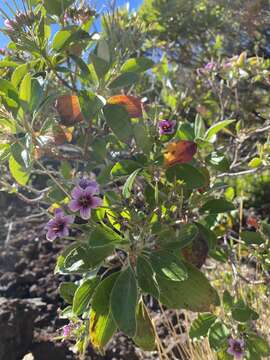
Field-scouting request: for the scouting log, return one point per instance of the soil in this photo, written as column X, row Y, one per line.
column 29, row 298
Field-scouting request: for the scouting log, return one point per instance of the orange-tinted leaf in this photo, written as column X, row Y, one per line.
column 69, row 110
column 132, row 104
column 253, row 221
column 179, row 152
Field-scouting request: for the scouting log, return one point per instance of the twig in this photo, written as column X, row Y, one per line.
column 244, row 172
column 10, row 225
column 28, row 200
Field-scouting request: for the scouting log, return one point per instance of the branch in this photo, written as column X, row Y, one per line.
column 244, row 172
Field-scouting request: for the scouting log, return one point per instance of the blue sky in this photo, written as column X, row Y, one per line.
column 99, row 4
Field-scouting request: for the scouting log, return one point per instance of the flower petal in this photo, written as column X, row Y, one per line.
column 230, row 351
column 69, row 219
column 84, row 182
column 74, row 205
column 96, row 202
column 238, row 356
column 51, row 235
column 231, row 341
column 58, row 213
column 77, row 192
column 91, row 190
column 50, row 224
column 64, row 232
column 85, row 213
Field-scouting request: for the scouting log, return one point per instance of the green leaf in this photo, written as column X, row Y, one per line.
column 67, row 291
column 258, row 344
column 90, row 104
column 145, row 332
column 102, row 326
column 7, row 63
column 103, row 235
column 252, row 237
column 168, row 266
column 125, row 167
column 124, row 80
column 57, row 7
column 103, row 50
column 243, row 313
column 75, row 260
column 255, row 163
column 18, row 172
column 227, row 300
column 25, row 89
column 124, row 302
column 60, row 38
column 195, row 293
column 4, row 151
column 143, row 139
column 218, row 335
column 118, row 120
column 192, row 177
column 18, row 74
column 36, row 95
column 186, row 132
column 95, row 255
column 7, row 125
column 208, row 235
column 214, row 129
column 99, row 147
column 83, row 295
column 9, row 91
column 199, row 127
column 265, row 228
column 137, row 65
column 187, row 233
column 201, row 325
column 218, row 161
column 217, row 206
column 129, row 183
column 100, row 65
column 146, row 277
column 85, row 72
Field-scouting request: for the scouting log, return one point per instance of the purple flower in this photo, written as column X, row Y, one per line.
column 58, row 226
column 66, row 330
column 166, row 127
column 84, row 182
column 227, row 65
column 9, row 24
column 84, row 199
column 210, row 66
column 236, row 348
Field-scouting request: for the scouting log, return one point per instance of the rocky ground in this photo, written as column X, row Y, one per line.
column 29, row 299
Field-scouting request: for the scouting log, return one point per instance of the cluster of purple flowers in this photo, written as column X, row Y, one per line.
column 79, row 15
column 20, row 19
column 9, row 24
column 83, row 200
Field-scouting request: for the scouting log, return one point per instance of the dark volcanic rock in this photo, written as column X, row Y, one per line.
column 16, row 327
column 44, row 350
